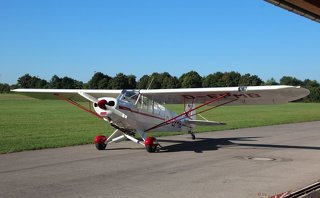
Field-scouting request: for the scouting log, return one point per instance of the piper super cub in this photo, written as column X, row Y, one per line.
column 140, row 111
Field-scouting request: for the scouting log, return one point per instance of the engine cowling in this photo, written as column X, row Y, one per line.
column 102, row 104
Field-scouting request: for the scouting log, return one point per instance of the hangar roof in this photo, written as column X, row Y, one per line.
column 306, row 8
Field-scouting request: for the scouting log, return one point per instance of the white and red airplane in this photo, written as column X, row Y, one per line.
column 140, row 111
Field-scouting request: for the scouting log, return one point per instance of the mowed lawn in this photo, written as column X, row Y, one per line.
column 27, row 124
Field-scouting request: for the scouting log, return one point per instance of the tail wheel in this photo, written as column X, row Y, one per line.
column 151, row 144
column 100, row 142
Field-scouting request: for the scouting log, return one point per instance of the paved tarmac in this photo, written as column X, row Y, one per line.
column 254, row 162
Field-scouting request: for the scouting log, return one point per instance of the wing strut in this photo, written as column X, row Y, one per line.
column 211, row 108
column 190, row 110
column 77, row 105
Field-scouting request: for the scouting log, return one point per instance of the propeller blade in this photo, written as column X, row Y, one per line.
column 103, row 104
column 88, row 97
column 95, row 100
column 117, row 112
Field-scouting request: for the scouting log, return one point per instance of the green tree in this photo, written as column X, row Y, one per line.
column 314, row 95
column 55, row 82
column 14, row 86
column 310, row 83
column 40, row 83
column 104, row 83
column 4, row 88
column 271, row 81
column 69, row 83
column 143, row 82
column 288, row 80
column 170, row 82
column 27, row 81
column 120, row 81
column 231, row 79
column 156, row 81
column 64, row 83
column 132, row 83
column 100, row 81
column 190, row 80
column 213, row 80
column 248, row 80
column 314, row 89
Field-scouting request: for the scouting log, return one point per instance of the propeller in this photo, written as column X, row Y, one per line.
column 88, row 97
column 103, row 104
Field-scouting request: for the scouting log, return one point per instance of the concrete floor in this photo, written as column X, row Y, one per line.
column 255, row 162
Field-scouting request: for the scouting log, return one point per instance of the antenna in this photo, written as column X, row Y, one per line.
column 140, row 90
column 150, row 83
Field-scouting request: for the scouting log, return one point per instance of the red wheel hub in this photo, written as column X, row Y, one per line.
column 100, row 139
column 151, row 144
column 150, row 141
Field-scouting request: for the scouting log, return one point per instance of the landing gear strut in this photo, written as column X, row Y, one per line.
column 151, row 144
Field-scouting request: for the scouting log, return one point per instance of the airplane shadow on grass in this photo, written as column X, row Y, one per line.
column 209, row 144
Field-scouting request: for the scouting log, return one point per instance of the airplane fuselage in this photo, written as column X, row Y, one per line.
column 142, row 112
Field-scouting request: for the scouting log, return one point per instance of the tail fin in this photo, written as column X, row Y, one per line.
column 192, row 114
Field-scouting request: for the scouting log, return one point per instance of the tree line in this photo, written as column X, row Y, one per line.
column 162, row 81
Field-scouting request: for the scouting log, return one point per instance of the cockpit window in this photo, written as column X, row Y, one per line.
column 129, row 95
column 142, row 102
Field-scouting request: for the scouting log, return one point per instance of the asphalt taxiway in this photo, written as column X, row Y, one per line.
column 254, row 162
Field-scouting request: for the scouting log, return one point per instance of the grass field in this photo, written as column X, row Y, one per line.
column 27, row 124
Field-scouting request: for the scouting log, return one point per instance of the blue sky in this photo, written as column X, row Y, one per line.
column 76, row 38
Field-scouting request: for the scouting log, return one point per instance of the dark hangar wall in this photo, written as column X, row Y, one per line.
column 307, row 8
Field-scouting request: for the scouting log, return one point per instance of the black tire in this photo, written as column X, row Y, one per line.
column 100, row 146
column 151, row 149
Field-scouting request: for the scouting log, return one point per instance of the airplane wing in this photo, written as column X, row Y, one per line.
column 277, row 94
column 72, row 94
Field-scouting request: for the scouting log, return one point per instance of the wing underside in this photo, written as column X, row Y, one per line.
column 278, row 94
column 71, row 94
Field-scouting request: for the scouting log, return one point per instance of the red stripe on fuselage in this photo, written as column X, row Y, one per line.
column 141, row 113
column 145, row 114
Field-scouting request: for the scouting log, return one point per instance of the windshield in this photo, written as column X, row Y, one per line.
column 129, row 95
column 142, row 102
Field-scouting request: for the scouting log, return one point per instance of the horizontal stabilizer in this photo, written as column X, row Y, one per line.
column 204, row 122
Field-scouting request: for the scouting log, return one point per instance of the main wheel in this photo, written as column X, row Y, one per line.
column 100, row 146
column 151, row 144
column 100, row 142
